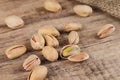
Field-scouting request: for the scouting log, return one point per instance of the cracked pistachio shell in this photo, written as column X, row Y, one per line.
column 31, row 62
column 51, row 41
column 38, row 73
column 78, row 57
column 73, row 37
column 106, row 30
column 71, row 27
column 14, row 22
column 50, row 53
column 69, row 50
column 83, row 10
column 37, row 42
column 48, row 30
column 52, row 5
column 15, row 51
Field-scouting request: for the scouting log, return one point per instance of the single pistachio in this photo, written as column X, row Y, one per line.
column 15, row 51
column 71, row 27
column 106, row 30
column 83, row 10
column 37, row 41
column 69, row 50
column 31, row 62
column 49, row 30
column 51, row 41
column 73, row 37
column 38, row 73
column 50, row 53
column 14, row 22
column 52, row 5
column 78, row 57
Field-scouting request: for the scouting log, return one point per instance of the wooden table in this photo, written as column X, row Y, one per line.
column 104, row 61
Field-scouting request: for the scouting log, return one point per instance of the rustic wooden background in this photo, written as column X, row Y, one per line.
column 104, row 61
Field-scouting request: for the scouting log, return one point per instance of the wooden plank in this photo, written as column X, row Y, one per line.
column 104, row 62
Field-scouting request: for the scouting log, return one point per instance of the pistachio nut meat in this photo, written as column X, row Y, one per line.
column 69, row 50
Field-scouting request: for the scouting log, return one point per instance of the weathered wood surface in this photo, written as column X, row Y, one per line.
column 104, row 62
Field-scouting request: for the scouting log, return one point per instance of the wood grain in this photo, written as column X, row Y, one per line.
column 104, row 62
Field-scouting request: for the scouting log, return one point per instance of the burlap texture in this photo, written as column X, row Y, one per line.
column 112, row 7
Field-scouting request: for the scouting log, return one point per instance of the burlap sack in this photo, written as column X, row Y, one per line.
column 112, row 7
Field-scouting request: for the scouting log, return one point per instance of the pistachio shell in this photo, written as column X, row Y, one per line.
column 31, row 62
column 51, row 41
column 50, row 53
column 73, row 37
column 37, row 41
column 68, row 50
column 83, row 10
column 71, row 27
column 49, row 30
column 106, row 30
column 81, row 56
column 38, row 73
column 15, row 51
column 14, row 22
column 52, row 5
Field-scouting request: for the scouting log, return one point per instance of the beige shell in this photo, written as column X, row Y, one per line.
column 52, row 5
column 81, row 56
column 14, row 22
column 31, row 62
column 51, row 41
column 50, row 53
column 73, row 37
column 69, row 50
column 15, row 51
column 106, row 30
column 49, row 30
column 71, row 27
column 37, row 42
column 38, row 73
column 83, row 10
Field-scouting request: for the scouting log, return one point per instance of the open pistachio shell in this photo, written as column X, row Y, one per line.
column 73, row 37
column 81, row 56
column 37, row 42
column 69, row 50
column 51, row 40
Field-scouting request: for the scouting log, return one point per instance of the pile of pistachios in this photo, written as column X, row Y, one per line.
column 45, row 40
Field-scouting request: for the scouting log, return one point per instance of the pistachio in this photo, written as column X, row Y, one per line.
column 73, row 37
column 83, row 10
column 49, row 30
column 51, row 41
column 50, row 53
column 106, row 30
column 14, row 22
column 37, row 41
column 38, row 73
column 78, row 57
column 15, row 51
column 31, row 62
column 71, row 27
column 69, row 50
column 52, row 5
